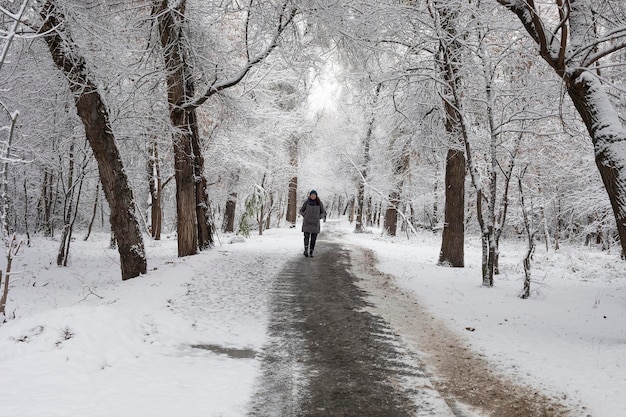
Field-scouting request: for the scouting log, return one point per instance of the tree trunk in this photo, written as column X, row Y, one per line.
column 390, row 224
column 171, row 36
column 369, row 212
column 504, row 203
column 453, row 236
column 488, row 280
column 270, row 209
column 350, row 206
column 378, row 212
column 360, row 200
column 435, row 217
column 155, row 183
column 12, row 250
column 74, row 215
column 557, row 227
column 44, row 205
column 359, row 206
column 292, row 189
column 5, row 178
column 531, row 242
column 203, row 206
column 261, row 194
column 94, row 115
column 186, row 219
column 203, row 213
column 400, row 161
column 194, row 227
column 229, row 213
column 26, row 215
column 452, row 251
column 228, row 222
column 68, row 202
column 94, row 212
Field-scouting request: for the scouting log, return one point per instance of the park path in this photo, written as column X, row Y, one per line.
column 329, row 355
column 345, row 341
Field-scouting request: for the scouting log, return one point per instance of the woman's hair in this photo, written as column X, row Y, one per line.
column 317, row 201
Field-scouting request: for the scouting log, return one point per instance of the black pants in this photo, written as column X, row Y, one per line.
column 309, row 240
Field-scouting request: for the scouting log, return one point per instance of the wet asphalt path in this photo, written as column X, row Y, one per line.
column 327, row 355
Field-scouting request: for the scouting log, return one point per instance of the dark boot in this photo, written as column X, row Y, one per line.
column 311, row 253
column 306, row 251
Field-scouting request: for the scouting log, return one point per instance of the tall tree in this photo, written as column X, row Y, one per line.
column 180, row 88
column 98, row 130
column 193, row 224
column 287, row 103
column 292, row 187
column 574, row 38
column 155, row 183
column 452, row 251
column 362, row 178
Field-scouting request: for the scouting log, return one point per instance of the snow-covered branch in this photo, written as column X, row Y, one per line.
column 286, row 17
column 591, row 59
column 614, row 37
column 17, row 20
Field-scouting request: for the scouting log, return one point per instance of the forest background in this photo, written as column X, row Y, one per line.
column 502, row 119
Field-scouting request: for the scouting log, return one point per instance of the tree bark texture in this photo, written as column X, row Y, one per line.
column 453, row 236
column 94, row 115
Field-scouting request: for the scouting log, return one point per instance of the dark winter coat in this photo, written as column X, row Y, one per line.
column 312, row 213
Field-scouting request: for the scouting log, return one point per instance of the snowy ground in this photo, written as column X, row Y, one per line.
column 569, row 337
column 83, row 343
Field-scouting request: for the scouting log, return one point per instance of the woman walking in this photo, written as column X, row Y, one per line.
column 312, row 211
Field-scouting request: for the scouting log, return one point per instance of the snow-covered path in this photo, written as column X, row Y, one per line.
column 327, row 355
